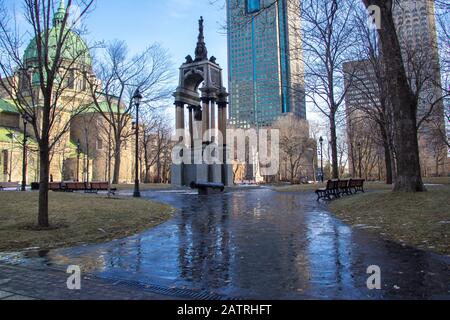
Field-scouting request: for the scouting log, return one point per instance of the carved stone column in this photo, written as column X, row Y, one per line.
column 206, row 120
column 191, row 125
column 180, row 118
column 223, row 123
column 213, row 122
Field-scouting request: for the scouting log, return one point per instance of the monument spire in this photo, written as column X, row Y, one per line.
column 60, row 13
column 201, row 53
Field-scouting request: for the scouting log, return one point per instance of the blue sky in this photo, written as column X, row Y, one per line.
column 172, row 23
column 140, row 23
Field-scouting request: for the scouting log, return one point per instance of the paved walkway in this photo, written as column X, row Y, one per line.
column 256, row 244
column 25, row 283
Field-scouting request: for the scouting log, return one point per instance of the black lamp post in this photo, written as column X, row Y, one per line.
column 78, row 159
column 321, row 159
column 26, row 119
column 12, row 136
column 137, row 98
column 360, row 159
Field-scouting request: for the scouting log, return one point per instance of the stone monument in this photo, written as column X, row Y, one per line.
column 202, row 98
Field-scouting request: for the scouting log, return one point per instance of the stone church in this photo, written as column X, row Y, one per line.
column 82, row 152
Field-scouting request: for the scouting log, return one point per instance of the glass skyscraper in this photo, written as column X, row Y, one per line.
column 266, row 78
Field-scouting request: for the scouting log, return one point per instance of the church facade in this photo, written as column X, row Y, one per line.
column 83, row 149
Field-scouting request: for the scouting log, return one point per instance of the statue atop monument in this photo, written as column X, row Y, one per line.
column 201, row 53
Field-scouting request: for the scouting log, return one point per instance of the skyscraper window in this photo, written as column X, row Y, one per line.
column 259, row 67
column 253, row 6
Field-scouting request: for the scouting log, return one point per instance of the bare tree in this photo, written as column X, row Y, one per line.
column 404, row 103
column 120, row 76
column 155, row 139
column 327, row 43
column 369, row 81
column 295, row 146
column 443, row 29
column 40, row 85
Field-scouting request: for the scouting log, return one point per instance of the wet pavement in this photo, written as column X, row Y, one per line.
column 257, row 244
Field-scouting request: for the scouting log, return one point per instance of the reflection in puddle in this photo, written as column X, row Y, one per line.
column 256, row 244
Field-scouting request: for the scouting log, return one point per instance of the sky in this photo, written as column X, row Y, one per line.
column 140, row 23
column 171, row 23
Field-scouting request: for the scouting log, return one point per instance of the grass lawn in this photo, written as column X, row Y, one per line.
column 143, row 186
column 420, row 219
column 370, row 186
column 76, row 219
column 313, row 187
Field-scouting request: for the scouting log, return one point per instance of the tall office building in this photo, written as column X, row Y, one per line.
column 266, row 75
column 416, row 29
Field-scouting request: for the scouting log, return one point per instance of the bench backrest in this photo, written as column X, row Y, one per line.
column 330, row 184
column 356, row 183
column 343, row 184
column 335, row 184
column 8, row 184
column 99, row 185
column 76, row 185
column 54, row 186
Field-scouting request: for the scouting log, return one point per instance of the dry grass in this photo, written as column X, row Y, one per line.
column 312, row 187
column 77, row 219
column 420, row 219
column 370, row 186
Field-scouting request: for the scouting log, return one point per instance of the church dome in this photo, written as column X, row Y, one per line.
column 75, row 49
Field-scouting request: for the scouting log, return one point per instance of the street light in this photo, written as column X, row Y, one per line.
column 12, row 136
column 360, row 159
column 137, row 98
column 321, row 159
column 78, row 159
column 26, row 119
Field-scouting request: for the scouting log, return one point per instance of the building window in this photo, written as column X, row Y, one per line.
column 99, row 144
column 253, row 6
column 71, row 79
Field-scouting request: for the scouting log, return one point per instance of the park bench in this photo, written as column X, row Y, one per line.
column 332, row 189
column 356, row 185
column 344, row 187
column 96, row 187
column 9, row 185
column 206, row 188
column 55, row 186
column 75, row 186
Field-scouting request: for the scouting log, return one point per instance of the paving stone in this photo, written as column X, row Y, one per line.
column 4, row 294
column 19, row 298
column 29, row 284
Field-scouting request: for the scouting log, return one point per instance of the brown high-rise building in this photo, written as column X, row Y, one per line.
column 416, row 29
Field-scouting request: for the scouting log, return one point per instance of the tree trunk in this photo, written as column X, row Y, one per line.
column 334, row 151
column 387, row 154
column 404, row 105
column 147, row 178
column 158, row 162
column 117, row 157
column 43, row 221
